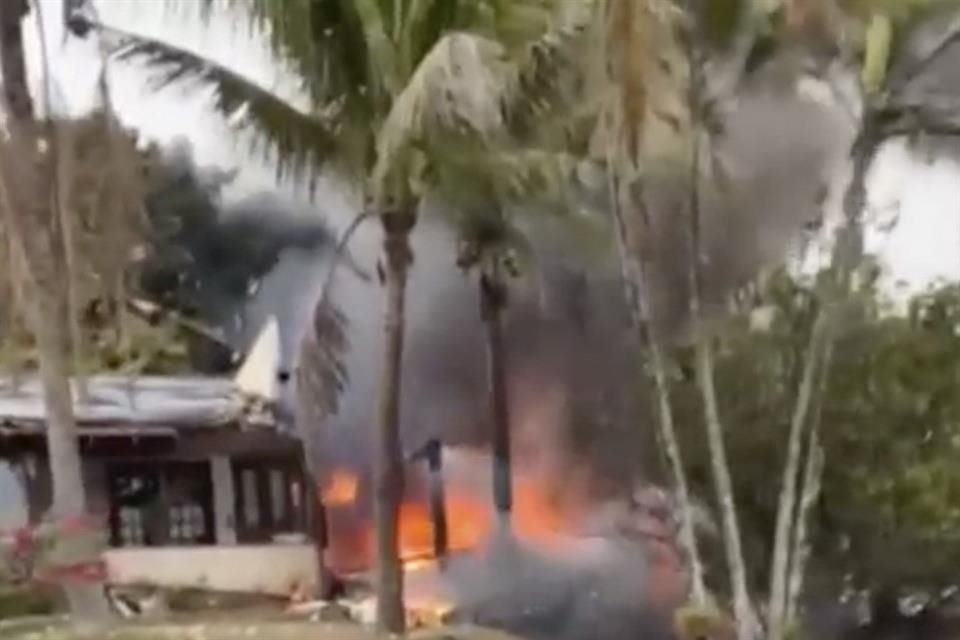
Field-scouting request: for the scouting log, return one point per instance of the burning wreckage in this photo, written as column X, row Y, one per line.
column 201, row 489
column 588, row 550
column 552, row 571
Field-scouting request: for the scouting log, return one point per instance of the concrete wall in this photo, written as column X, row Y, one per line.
column 224, row 518
column 272, row 569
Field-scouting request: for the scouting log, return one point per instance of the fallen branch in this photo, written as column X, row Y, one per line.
column 153, row 313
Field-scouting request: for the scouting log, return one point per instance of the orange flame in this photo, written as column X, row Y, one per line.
column 469, row 516
column 342, row 490
column 468, row 524
column 470, row 521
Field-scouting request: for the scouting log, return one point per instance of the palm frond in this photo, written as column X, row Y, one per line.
column 547, row 77
column 518, row 176
column 321, row 372
column 424, row 22
column 454, row 91
column 517, row 23
column 640, row 69
column 299, row 142
column 333, row 49
column 381, row 48
column 512, row 23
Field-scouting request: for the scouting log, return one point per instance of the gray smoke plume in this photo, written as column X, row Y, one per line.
column 592, row 588
column 567, row 330
column 569, row 355
column 778, row 153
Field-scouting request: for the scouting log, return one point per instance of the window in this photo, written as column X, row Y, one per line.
column 187, row 523
column 131, row 527
column 160, row 504
column 278, row 496
column 269, row 499
column 251, row 503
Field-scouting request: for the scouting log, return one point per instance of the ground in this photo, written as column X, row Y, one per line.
column 53, row 629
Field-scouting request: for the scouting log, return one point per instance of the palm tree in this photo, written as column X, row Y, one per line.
column 645, row 123
column 488, row 195
column 661, row 116
column 34, row 226
column 885, row 108
column 47, row 199
column 392, row 86
column 683, row 106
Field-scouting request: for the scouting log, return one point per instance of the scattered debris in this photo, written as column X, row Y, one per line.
column 137, row 602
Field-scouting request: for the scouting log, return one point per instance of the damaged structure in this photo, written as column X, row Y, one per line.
column 196, row 480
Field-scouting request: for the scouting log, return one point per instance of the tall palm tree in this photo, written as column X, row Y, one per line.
column 47, row 199
column 487, row 210
column 644, row 126
column 34, row 225
column 873, row 33
column 391, row 87
column 660, row 115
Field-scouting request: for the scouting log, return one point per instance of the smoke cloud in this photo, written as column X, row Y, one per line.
column 579, row 419
column 595, row 588
column 777, row 157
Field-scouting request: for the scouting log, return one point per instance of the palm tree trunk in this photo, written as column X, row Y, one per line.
column 786, row 504
column 746, row 622
column 51, row 328
column 743, row 610
column 397, row 226
column 847, row 254
column 632, row 275
column 438, row 512
column 34, row 222
column 492, row 302
column 800, row 551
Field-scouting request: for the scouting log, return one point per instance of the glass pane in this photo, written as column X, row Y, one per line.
column 278, row 502
column 251, row 510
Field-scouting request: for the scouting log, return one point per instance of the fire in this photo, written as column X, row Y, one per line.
column 535, row 516
column 469, row 515
column 468, row 524
column 342, row 490
column 428, row 614
column 470, row 521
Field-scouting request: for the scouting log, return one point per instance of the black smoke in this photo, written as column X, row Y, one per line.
column 208, row 257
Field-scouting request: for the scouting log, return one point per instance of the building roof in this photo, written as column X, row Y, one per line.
column 140, row 403
column 157, row 405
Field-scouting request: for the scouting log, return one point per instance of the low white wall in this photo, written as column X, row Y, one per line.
column 271, row 569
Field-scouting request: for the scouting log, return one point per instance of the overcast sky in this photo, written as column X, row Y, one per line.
column 923, row 198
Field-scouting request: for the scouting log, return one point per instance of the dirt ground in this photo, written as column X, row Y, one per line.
column 53, row 629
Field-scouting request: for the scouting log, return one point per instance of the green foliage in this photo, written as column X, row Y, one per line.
column 694, row 623
column 381, row 78
column 23, row 602
column 720, row 20
column 100, row 181
column 876, row 58
column 113, row 342
column 895, row 421
column 293, row 139
column 890, row 426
